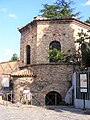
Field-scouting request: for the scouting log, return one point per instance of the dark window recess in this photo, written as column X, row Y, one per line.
column 11, row 85
column 28, row 54
column 56, row 45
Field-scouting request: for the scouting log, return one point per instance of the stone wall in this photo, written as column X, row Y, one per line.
column 28, row 37
column 48, row 31
column 41, row 35
column 55, row 77
column 77, row 28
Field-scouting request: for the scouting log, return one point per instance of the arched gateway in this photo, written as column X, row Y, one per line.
column 53, row 98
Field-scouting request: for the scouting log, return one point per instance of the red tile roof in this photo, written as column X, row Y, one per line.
column 23, row 73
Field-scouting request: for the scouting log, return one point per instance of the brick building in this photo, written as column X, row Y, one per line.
column 47, row 81
column 6, row 69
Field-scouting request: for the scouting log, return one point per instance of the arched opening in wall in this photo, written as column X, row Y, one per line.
column 53, row 98
column 28, row 54
column 54, row 45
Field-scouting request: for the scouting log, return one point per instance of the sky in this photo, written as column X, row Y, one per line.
column 17, row 13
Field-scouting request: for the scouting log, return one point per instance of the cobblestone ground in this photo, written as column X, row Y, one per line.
column 40, row 113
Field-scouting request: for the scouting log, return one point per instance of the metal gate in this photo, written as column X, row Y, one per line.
column 53, row 98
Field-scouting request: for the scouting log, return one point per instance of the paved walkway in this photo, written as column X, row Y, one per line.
column 40, row 113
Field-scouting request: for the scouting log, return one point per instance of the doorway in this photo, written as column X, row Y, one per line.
column 53, row 98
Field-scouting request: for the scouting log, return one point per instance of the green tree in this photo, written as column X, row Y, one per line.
column 56, row 55
column 14, row 57
column 60, row 9
column 84, row 48
column 51, row 11
column 88, row 20
column 82, row 57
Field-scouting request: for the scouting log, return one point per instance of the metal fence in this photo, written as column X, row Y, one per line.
column 8, row 99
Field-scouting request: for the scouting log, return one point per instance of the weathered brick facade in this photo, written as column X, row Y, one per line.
column 49, row 77
column 41, row 32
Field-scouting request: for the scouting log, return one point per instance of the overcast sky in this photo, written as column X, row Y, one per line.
column 16, row 13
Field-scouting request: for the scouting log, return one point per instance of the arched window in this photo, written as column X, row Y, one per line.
column 28, row 54
column 54, row 45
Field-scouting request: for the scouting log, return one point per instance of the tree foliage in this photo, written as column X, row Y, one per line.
column 51, row 11
column 64, row 2
column 88, row 20
column 84, row 48
column 56, row 55
column 14, row 57
column 60, row 9
column 82, row 57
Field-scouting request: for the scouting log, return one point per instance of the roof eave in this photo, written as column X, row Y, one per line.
column 51, row 19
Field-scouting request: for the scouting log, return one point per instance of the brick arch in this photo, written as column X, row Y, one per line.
column 53, row 87
column 53, row 98
column 52, row 40
column 54, row 45
column 28, row 54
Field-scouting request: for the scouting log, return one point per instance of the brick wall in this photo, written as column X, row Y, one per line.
column 48, row 78
column 40, row 33
column 28, row 37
